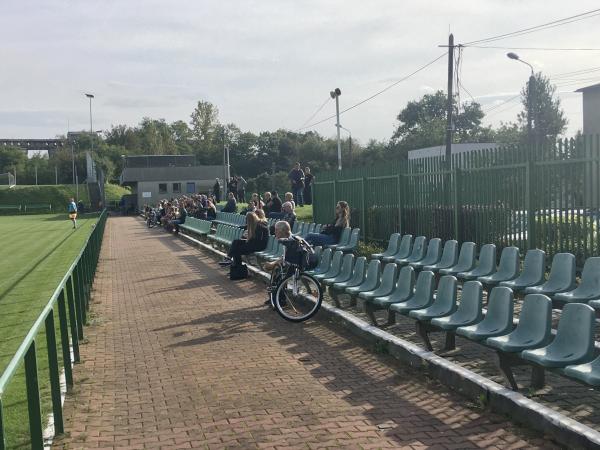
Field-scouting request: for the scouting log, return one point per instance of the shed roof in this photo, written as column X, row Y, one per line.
column 589, row 88
column 135, row 174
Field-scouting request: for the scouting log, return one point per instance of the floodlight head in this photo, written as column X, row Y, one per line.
column 512, row 55
column 89, row 95
column 332, row 94
column 335, row 93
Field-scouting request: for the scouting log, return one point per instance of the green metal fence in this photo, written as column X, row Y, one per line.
column 487, row 196
column 70, row 302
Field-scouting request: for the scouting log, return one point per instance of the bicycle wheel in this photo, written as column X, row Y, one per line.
column 276, row 276
column 298, row 297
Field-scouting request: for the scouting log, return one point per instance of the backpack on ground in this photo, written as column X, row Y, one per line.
column 238, row 272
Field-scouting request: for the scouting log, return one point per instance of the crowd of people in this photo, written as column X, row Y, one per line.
column 172, row 213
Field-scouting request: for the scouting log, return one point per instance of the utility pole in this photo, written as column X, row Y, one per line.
column 55, row 174
column 335, row 94
column 449, row 124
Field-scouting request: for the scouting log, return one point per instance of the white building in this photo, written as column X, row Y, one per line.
column 591, row 109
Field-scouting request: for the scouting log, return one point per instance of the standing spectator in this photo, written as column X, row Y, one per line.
column 296, row 176
column 72, row 208
column 231, row 205
column 217, row 190
column 241, row 189
column 308, row 181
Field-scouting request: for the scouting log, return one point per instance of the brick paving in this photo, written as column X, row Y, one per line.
column 177, row 356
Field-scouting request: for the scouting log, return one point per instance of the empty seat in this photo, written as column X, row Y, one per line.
column 469, row 309
column 589, row 287
column 358, row 275
column 448, row 259
column 533, row 329
column 419, row 249
column 588, row 372
column 371, row 280
column 345, row 272
column 324, row 263
column 534, row 267
column 421, row 298
column 485, row 266
column 352, row 244
column 386, row 285
column 433, row 255
column 466, row 260
column 508, row 268
column 269, row 248
column 444, row 303
column 402, row 291
column 334, row 268
column 392, row 247
column 574, row 340
column 498, row 320
column 404, row 249
column 561, row 278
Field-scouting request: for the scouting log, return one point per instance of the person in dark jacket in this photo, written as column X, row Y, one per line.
column 289, row 216
column 231, row 205
column 257, row 239
column 332, row 232
column 296, row 177
column 275, row 206
column 308, row 181
column 217, row 190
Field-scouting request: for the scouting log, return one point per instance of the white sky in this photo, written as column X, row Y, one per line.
column 269, row 64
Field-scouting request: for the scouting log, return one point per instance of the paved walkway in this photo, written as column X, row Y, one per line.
column 177, row 356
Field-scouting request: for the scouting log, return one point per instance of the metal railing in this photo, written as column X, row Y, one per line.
column 71, row 298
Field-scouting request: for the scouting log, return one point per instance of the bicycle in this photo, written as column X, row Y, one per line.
column 152, row 219
column 294, row 294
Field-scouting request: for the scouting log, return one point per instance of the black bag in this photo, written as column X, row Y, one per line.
column 238, row 272
column 296, row 254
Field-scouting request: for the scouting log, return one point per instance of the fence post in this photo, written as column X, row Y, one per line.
column 33, row 399
column 456, row 201
column 64, row 336
column 400, row 178
column 2, row 440
column 363, row 214
column 334, row 193
column 530, row 204
column 54, row 374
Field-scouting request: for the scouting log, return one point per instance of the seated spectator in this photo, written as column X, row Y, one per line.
column 211, row 210
column 289, row 197
column 179, row 218
column 332, row 232
column 282, row 231
column 275, row 206
column 257, row 239
column 267, row 202
column 289, row 216
column 231, row 205
column 256, row 202
column 261, row 215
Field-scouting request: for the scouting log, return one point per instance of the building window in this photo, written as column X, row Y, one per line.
column 162, row 188
column 190, row 188
column 176, row 188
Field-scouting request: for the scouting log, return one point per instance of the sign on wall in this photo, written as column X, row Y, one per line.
column 146, row 194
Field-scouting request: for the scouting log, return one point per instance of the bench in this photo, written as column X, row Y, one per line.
column 10, row 207
column 197, row 226
column 32, row 206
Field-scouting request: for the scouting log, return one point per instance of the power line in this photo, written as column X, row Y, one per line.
column 315, row 113
column 552, row 24
column 548, row 49
column 377, row 93
column 575, row 73
column 501, row 104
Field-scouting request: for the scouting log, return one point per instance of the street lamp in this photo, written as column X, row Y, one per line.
column 91, row 96
column 530, row 97
column 336, row 95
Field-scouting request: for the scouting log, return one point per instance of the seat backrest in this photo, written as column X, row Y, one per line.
column 487, row 259
column 590, row 275
column 419, row 248
column 466, row 257
column 562, row 272
column 300, row 229
column 434, row 251
column 373, row 271
column 509, row 262
column 575, row 332
column 534, row 265
column 405, row 284
column 500, row 308
column 445, row 297
column 424, row 288
column 353, row 241
column 325, row 261
column 358, row 272
column 347, row 266
column 318, row 251
column 471, row 301
column 405, row 246
column 345, row 236
column 388, row 278
column 393, row 244
column 535, row 319
column 449, row 254
column 336, row 263
column 294, row 227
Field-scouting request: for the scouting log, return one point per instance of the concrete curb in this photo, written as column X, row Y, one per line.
column 501, row 400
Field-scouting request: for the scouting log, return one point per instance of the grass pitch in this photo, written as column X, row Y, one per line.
column 36, row 253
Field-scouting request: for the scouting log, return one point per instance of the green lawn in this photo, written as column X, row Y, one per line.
column 37, row 251
column 304, row 213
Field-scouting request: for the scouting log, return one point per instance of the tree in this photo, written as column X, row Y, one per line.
column 548, row 117
column 11, row 157
column 205, row 127
column 423, row 123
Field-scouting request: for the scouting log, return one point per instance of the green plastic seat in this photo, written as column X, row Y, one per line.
column 300, row 230
column 534, row 267
column 421, row 298
column 324, row 263
column 403, row 290
column 344, row 238
column 269, row 249
column 508, row 269
column 419, row 249
column 448, row 259
column 334, row 268
column 533, row 330
column 345, row 272
column 466, row 260
column 444, row 303
column 561, row 278
column 358, row 275
column 279, row 252
column 574, row 340
column 352, row 244
column 392, row 247
column 498, row 320
column 294, row 227
column 589, row 373
column 589, row 287
column 386, row 286
column 469, row 311
column 432, row 257
column 404, row 249
column 371, row 280
column 485, row 266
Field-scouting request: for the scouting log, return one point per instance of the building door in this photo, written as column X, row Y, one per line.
column 190, row 188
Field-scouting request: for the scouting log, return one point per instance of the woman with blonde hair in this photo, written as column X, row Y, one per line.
column 332, row 232
column 257, row 236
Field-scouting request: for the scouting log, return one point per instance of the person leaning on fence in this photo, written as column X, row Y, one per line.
column 72, row 208
column 256, row 241
column 296, row 177
column 332, row 232
column 308, row 181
